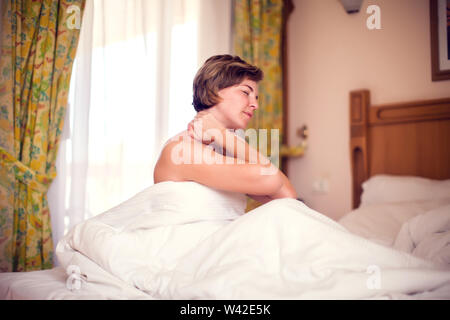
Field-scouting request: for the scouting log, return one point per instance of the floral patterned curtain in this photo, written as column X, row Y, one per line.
column 38, row 44
column 257, row 35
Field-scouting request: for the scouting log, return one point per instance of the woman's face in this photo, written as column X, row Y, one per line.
column 238, row 104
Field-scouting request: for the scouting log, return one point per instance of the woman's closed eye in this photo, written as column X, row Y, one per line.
column 247, row 93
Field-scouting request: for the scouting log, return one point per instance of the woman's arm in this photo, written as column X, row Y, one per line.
column 206, row 129
column 190, row 160
column 240, row 149
column 286, row 191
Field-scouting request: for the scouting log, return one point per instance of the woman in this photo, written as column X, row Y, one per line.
column 187, row 237
column 225, row 97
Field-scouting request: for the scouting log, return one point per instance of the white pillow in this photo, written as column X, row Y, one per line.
column 391, row 189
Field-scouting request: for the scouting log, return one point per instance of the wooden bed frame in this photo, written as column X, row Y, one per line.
column 410, row 139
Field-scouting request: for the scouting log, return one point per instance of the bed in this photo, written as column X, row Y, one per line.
column 400, row 163
column 400, row 160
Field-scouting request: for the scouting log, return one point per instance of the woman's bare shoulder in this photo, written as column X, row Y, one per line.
column 170, row 157
column 175, row 144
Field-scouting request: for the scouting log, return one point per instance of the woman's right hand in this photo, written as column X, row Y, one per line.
column 206, row 128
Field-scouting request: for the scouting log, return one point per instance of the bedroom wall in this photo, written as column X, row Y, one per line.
column 331, row 53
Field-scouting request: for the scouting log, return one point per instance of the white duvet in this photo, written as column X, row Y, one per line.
column 183, row 240
column 427, row 236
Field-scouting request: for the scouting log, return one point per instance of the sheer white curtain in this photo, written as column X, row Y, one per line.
column 131, row 90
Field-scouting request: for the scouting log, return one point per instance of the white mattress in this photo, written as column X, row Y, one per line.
column 51, row 284
column 36, row 285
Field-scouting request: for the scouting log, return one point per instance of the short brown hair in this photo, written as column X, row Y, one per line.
column 217, row 73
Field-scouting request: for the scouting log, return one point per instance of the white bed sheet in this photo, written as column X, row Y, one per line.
column 281, row 250
column 381, row 223
column 52, row 285
column 36, row 285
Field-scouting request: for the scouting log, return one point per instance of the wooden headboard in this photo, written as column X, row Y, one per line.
column 411, row 138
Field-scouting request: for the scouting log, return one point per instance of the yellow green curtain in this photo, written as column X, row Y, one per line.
column 38, row 44
column 257, row 35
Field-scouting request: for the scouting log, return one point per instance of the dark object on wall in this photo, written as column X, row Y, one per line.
column 288, row 7
column 437, row 27
column 352, row 6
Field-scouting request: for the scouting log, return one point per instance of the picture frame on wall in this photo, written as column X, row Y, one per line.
column 440, row 39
